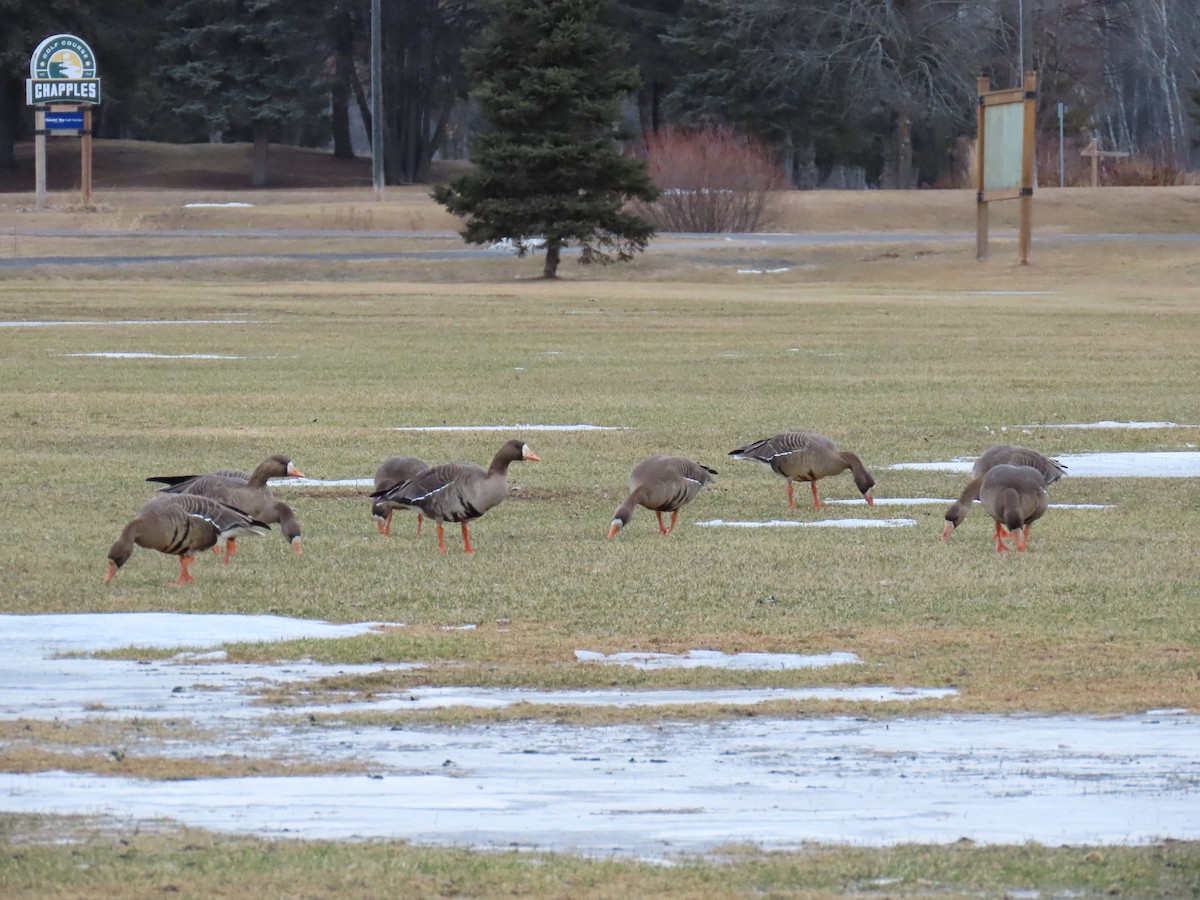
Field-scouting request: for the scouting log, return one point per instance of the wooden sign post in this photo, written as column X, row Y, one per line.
column 1005, row 158
column 63, row 89
column 1095, row 153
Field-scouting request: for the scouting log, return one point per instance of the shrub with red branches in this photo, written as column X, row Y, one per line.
column 711, row 180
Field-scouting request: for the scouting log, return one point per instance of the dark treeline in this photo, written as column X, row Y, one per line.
column 883, row 87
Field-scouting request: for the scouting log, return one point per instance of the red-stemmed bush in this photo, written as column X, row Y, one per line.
column 712, row 180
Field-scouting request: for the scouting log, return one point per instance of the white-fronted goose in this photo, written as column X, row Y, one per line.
column 1015, row 496
column 245, row 492
column 393, row 471
column 663, row 484
column 180, row 525
column 1001, row 454
column 806, row 456
column 458, row 492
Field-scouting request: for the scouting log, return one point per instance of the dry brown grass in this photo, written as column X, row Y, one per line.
column 889, row 348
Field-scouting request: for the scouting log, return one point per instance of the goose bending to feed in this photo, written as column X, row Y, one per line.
column 1015, row 496
column 458, row 492
column 393, row 471
column 663, row 484
column 245, row 492
column 1001, row 454
column 180, row 525
column 806, row 456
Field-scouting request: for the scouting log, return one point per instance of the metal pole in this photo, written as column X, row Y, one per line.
column 1062, row 177
column 1021, row 67
column 377, row 125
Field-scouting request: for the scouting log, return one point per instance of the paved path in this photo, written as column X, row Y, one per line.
column 670, row 241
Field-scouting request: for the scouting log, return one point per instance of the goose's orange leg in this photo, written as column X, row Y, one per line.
column 184, row 575
column 1000, row 535
column 385, row 527
column 674, row 518
column 467, row 548
column 441, row 538
column 662, row 529
column 230, row 548
column 816, row 499
column 1022, row 537
column 420, row 519
column 791, row 497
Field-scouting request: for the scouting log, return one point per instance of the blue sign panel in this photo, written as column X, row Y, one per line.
column 64, row 121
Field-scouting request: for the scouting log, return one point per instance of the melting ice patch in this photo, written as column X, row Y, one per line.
column 695, row 659
column 36, row 324
column 823, row 523
column 507, row 428
column 1167, row 464
column 322, row 482
column 115, row 355
column 634, row 790
column 657, row 791
column 1110, row 424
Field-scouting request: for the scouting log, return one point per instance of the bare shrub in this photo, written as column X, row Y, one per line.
column 712, row 180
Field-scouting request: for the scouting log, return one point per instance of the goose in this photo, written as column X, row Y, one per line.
column 393, row 471
column 663, row 484
column 806, row 456
column 1009, row 454
column 459, row 491
column 180, row 525
column 1015, row 496
column 245, row 492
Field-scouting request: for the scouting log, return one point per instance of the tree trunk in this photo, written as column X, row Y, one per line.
column 550, row 269
column 341, row 90
column 897, row 171
column 10, row 108
column 258, row 167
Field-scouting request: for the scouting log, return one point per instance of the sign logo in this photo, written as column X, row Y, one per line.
column 62, row 70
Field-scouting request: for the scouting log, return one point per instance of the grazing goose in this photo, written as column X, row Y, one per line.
column 806, row 456
column 180, row 525
column 1007, row 454
column 393, row 471
column 1015, row 496
column 663, row 484
column 245, row 492
column 458, row 492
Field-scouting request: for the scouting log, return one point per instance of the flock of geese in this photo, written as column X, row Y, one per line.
column 193, row 513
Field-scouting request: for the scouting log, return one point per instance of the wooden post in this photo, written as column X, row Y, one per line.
column 39, row 158
column 982, row 85
column 85, row 162
column 1027, row 169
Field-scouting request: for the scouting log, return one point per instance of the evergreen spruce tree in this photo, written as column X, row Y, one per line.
column 244, row 66
column 549, row 79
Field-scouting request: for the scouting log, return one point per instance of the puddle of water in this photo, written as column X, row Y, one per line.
column 695, row 659
column 822, row 523
column 1167, row 464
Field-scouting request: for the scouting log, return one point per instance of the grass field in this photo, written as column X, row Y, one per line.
column 901, row 353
